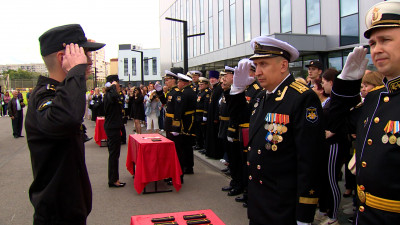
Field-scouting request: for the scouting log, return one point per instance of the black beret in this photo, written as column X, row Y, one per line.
column 53, row 40
column 112, row 78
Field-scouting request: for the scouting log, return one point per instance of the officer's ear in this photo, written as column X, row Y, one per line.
column 284, row 64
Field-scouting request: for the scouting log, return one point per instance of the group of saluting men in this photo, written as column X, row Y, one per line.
column 285, row 135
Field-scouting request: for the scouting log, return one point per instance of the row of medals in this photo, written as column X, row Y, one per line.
column 274, row 135
column 392, row 139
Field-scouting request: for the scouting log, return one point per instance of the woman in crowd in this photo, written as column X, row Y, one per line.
column 6, row 99
column 153, row 107
column 97, row 105
column 138, row 109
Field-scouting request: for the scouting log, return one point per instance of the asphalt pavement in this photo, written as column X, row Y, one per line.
column 201, row 190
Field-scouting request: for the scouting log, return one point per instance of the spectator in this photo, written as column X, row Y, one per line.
column 153, row 107
column 97, row 105
column 138, row 109
column 6, row 100
column 15, row 111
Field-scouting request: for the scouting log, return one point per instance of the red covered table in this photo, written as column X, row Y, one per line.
column 154, row 160
column 146, row 219
column 99, row 132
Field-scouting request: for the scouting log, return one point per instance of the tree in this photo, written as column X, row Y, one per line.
column 22, row 74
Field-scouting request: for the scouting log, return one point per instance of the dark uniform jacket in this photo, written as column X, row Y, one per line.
column 12, row 106
column 169, row 101
column 283, row 172
column 185, row 106
column 223, row 115
column 61, row 192
column 113, row 103
column 203, row 98
column 377, row 148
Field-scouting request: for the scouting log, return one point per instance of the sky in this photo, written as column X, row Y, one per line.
column 111, row 22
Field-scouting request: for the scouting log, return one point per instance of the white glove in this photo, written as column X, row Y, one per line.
column 204, row 119
column 175, row 133
column 355, row 65
column 158, row 86
column 229, row 139
column 241, row 79
column 301, row 223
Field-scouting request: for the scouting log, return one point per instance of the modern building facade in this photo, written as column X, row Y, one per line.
column 32, row 67
column 130, row 63
column 99, row 64
column 320, row 29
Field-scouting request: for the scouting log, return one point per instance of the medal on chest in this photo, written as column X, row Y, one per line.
column 276, row 127
column 391, row 129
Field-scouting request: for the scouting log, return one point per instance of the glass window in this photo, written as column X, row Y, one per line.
column 232, row 15
column 335, row 60
column 154, row 65
column 349, row 24
column 264, row 17
column 146, row 65
column 194, row 27
column 201, row 5
column 313, row 17
column 210, row 26
column 125, row 66
column 220, row 24
column 286, row 16
column 133, row 67
column 246, row 20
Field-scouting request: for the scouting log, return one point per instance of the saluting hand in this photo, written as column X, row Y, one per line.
column 74, row 55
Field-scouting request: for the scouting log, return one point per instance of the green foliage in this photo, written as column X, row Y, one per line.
column 22, row 74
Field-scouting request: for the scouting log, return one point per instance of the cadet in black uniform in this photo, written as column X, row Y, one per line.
column 377, row 141
column 113, row 106
column 284, row 139
column 203, row 98
column 185, row 107
column 60, row 192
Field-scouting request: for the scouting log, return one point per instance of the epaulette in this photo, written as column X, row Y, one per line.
column 256, row 86
column 298, row 86
column 206, row 90
column 376, row 88
column 51, row 87
column 176, row 89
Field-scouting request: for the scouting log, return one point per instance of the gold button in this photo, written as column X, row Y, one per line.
column 259, row 151
column 376, row 120
column 249, row 148
column 364, row 164
column 386, row 99
column 361, row 208
column 362, row 188
column 250, row 177
column 258, row 167
column 260, row 181
column 369, row 141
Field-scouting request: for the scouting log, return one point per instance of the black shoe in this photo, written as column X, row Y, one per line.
column 20, row 136
column 227, row 188
column 87, row 139
column 241, row 199
column 116, row 185
column 225, row 170
column 123, row 142
column 196, row 147
column 245, row 205
column 235, row 192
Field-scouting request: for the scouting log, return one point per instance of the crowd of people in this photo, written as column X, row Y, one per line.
column 284, row 139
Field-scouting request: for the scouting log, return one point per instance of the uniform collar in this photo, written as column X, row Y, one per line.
column 42, row 80
column 279, row 85
column 392, row 85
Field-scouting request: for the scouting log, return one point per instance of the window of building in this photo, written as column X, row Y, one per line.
column 286, row 16
column 201, row 7
column 349, row 28
column 313, row 17
column 154, row 65
column 264, row 17
column 133, row 67
column 232, row 18
column 125, row 66
column 220, row 23
column 188, row 24
column 210, row 26
column 146, row 65
column 194, row 24
column 246, row 20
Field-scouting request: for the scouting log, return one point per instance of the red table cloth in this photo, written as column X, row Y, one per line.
column 99, row 132
column 146, row 219
column 154, row 160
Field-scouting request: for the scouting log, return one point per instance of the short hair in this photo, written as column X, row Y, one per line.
column 330, row 74
column 374, row 78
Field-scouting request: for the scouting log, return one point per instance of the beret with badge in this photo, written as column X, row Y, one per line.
column 316, row 64
column 268, row 47
column 381, row 15
column 54, row 39
column 213, row 74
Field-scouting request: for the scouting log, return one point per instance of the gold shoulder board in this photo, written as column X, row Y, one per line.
column 300, row 87
column 256, row 86
column 376, row 88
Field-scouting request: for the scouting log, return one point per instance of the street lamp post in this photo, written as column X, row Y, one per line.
column 185, row 41
column 141, row 65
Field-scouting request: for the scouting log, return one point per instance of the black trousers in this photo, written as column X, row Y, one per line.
column 235, row 153
column 114, row 150
column 17, row 123
column 199, row 134
column 188, row 157
column 123, row 134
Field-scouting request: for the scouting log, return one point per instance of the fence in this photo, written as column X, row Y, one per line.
column 25, row 84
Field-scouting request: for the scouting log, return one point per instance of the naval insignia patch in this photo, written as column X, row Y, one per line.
column 44, row 105
column 311, row 114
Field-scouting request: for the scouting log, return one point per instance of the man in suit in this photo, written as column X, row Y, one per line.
column 15, row 112
column 284, row 138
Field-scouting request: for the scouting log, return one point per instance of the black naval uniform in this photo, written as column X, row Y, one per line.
column 60, row 192
column 113, row 106
column 185, row 106
column 203, row 98
column 284, row 140
column 213, row 146
column 377, row 148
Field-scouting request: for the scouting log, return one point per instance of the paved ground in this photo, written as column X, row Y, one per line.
column 114, row 206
